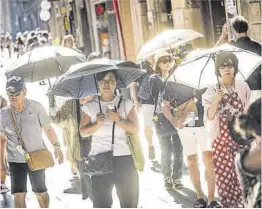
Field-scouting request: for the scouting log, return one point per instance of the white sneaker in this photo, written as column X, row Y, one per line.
column 4, row 189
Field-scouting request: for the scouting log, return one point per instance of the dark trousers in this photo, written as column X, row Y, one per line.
column 171, row 145
column 85, row 180
column 125, row 179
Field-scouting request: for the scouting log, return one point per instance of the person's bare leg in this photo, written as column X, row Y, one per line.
column 209, row 175
column 43, row 199
column 19, row 200
column 149, row 138
column 192, row 164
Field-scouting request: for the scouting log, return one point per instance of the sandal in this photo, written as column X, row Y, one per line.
column 200, row 203
column 214, row 204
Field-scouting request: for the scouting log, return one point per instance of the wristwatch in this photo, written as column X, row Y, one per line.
column 57, row 144
column 120, row 122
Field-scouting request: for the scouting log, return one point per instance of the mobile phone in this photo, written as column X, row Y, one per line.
column 111, row 107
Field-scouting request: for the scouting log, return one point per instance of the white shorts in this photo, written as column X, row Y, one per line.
column 147, row 112
column 192, row 137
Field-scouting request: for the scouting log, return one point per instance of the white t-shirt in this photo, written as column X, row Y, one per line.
column 102, row 138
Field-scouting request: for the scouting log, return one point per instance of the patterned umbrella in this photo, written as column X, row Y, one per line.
column 79, row 81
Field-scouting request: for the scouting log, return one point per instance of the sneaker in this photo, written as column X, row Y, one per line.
column 214, row 204
column 151, row 153
column 168, row 183
column 4, row 189
column 177, row 184
column 200, row 203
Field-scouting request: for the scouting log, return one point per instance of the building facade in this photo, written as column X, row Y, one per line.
column 25, row 15
column 5, row 21
column 123, row 26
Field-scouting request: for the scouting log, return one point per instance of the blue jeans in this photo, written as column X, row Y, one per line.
column 171, row 145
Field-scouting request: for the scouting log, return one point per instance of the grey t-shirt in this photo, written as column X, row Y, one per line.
column 30, row 123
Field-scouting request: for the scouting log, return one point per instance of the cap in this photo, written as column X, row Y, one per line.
column 159, row 55
column 15, row 84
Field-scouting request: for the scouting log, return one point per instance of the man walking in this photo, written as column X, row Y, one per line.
column 240, row 27
column 31, row 119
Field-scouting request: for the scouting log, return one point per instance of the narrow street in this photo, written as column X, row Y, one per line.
column 152, row 192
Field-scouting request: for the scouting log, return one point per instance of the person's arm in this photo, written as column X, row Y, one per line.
column 133, row 92
column 3, row 139
column 87, row 128
column 51, row 135
column 212, row 110
column 224, row 36
column 252, row 160
column 130, row 125
column 168, row 114
column 45, row 123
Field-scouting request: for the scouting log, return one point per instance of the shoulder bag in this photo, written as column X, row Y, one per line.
column 37, row 160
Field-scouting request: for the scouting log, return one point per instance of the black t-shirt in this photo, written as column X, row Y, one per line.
column 254, row 80
column 143, row 93
column 156, row 83
column 247, row 44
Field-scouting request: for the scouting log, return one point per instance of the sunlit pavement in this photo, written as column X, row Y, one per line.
column 152, row 192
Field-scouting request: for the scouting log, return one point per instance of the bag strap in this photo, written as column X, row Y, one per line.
column 162, row 89
column 16, row 129
column 114, row 124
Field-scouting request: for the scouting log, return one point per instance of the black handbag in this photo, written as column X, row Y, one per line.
column 103, row 163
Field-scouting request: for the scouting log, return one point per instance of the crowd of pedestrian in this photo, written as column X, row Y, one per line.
column 227, row 130
column 25, row 41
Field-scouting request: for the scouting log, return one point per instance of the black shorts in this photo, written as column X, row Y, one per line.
column 18, row 174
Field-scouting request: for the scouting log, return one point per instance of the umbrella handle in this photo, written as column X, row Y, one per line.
column 219, row 87
column 99, row 102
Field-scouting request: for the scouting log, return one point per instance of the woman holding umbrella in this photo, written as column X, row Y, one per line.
column 97, row 122
column 165, row 128
column 222, row 104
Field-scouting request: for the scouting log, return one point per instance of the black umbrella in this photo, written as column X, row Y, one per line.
column 80, row 80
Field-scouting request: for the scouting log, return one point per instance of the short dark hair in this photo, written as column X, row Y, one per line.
column 251, row 121
column 226, row 57
column 100, row 76
column 240, row 24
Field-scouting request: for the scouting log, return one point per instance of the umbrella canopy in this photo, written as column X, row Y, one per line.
column 45, row 62
column 167, row 40
column 79, row 81
column 198, row 69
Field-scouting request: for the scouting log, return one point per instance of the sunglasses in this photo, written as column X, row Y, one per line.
column 165, row 60
column 110, row 81
column 14, row 94
column 228, row 65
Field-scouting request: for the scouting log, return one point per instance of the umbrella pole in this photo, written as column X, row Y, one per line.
column 213, row 58
column 49, row 82
column 98, row 94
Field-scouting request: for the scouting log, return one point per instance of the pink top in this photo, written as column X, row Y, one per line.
column 208, row 97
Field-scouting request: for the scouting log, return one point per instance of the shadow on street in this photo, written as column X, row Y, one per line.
column 7, row 201
column 185, row 196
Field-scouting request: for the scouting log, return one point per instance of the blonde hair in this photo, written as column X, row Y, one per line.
column 67, row 38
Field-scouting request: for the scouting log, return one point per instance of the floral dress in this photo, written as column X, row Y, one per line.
column 224, row 152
